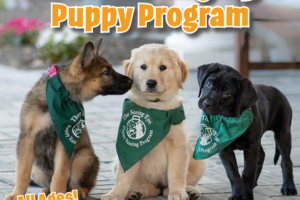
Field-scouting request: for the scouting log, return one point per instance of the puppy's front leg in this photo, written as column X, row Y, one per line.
column 123, row 182
column 62, row 167
column 250, row 157
column 25, row 156
column 177, row 170
column 228, row 159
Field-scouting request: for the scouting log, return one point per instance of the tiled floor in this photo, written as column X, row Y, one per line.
column 103, row 114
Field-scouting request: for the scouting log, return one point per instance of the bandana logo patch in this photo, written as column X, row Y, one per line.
column 211, row 136
column 74, row 133
column 135, row 131
column 78, row 128
column 208, row 135
column 135, row 128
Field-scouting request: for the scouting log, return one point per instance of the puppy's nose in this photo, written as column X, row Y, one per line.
column 207, row 103
column 126, row 82
column 151, row 83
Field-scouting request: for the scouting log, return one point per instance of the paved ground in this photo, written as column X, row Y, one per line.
column 103, row 115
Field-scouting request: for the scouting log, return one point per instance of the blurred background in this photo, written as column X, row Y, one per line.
column 274, row 37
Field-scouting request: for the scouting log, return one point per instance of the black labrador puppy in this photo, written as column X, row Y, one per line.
column 225, row 91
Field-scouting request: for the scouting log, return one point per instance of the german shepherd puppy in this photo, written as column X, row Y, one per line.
column 39, row 150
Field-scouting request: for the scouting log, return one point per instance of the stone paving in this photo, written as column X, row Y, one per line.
column 103, row 114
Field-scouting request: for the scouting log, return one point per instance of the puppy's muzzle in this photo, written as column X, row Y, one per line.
column 151, row 83
column 208, row 103
column 126, row 82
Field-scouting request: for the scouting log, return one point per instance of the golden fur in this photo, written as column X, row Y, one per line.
column 168, row 167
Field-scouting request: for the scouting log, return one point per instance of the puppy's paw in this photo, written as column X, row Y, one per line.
column 134, row 194
column 288, row 191
column 193, row 192
column 166, row 192
column 82, row 192
column 178, row 196
column 235, row 198
column 239, row 194
column 249, row 196
column 10, row 197
column 111, row 197
column 46, row 191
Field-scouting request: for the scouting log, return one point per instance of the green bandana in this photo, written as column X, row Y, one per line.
column 141, row 129
column 218, row 131
column 67, row 115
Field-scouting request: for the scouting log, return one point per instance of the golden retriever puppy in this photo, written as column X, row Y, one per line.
column 169, row 168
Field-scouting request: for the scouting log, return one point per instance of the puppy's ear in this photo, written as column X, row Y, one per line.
column 184, row 73
column 98, row 46
column 127, row 64
column 87, row 54
column 204, row 71
column 127, row 67
column 246, row 95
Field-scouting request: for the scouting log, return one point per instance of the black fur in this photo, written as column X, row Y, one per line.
column 225, row 91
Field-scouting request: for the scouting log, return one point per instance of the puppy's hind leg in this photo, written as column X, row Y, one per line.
column 284, row 146
column 195, row 172
column 142, row 191
column 25, row 154
column 260, row 162
column 84, row 171
column 32, row 124
column 40, row 177
column 193, row 192
column 123, row 182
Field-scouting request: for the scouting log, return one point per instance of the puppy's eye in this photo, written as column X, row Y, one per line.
column 208, row 84
column 143, row 67
column 105, row 73
column 162, row 68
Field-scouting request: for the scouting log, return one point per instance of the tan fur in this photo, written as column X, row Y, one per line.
column 41, row 178
column 40, row 154
column 62, row 170
column 169, row 165
column 82, row 191
column 36, row 121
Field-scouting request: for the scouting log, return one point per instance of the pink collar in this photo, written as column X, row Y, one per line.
column 52, row 71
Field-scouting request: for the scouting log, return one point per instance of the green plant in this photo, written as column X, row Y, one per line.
column 52, row 52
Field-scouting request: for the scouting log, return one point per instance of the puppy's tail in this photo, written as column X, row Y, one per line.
column 277, row 154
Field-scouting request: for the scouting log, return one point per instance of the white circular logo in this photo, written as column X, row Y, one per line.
column 206, row 134
column 78, row 128
column 135, row 128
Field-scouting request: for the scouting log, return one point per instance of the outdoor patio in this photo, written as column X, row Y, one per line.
column 102, row 119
